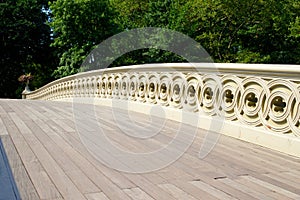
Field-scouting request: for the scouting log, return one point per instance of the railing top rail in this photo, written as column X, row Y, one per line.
column 259, row 103
column 268, row 70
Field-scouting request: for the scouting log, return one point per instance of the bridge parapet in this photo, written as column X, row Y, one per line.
column 263, row 97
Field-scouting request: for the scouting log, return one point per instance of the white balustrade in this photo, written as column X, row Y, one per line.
column 255, row 95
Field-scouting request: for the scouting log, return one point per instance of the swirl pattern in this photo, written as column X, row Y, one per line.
column 271, row 103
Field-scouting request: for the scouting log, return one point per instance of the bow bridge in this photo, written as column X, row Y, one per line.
column 229, row 131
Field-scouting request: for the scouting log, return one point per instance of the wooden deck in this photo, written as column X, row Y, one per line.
column 49, row 161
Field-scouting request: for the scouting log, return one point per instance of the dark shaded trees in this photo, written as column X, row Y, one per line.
column 25, row 45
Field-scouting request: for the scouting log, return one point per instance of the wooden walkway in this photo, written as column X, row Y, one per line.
column 49, row 161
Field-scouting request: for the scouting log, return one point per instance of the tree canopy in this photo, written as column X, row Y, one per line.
column 51, row 39
column 78, row 26
column 247, row 31
column 25, row 45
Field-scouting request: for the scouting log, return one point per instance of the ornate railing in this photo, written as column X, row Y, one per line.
column 264, row 97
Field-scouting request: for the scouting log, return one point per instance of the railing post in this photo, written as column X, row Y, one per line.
column 25, row 91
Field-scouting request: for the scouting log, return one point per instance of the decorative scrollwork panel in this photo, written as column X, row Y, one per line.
column 246, row 97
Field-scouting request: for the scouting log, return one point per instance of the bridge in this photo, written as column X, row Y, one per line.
column 229, row 131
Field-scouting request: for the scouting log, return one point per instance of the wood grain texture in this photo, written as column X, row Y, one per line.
column 49, row 160
column 26, row 189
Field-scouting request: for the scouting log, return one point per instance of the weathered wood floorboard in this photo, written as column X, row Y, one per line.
column 50, row 161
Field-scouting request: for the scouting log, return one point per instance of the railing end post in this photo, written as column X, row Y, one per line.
column 25, row 92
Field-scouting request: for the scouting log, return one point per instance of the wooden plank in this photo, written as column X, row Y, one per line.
column 50, row 113
column 155, row 178
column 5, row 106
column 269, row 156
column 212, row 190
column 276, row 183
column 231, row 158
column 64, row 109
column 291, row 175
column 167, row 173
column 24, row 184
column 23, row 129
column 20, row 108
column 138, row 194
column 257, row 165
column 98, row 178
column 208, row 173
column 234, row 171
column 223, row 162
column 96, row 196
column 82, row 182
column 245, row 189
column 33, row 112
column 251, row 164
column 194, row 191
column 40, row 179
column 77, row 146
column 2, row 111
column 144, row 146
column 237, row 152
column 285, row 180
column 173, row 173
column 272, row 187
column 176, row 192
column 261, row 189
column 3, row 130
column 209, row 164
column 234, row 163
column 96, row 145
column 234, row 166
column 212, row 178
column 151, row 189
column 127, row 146
column 104, row 183
column 64, row 126
column 259, row 162
column 60, row 179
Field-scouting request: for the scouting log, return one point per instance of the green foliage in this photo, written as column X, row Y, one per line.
column 150, row 13
column 249, row 31
column 25, row 45
column 130, row 13
column 78, row 26
column 252, row 31
column 243, row 31
column 295, row 28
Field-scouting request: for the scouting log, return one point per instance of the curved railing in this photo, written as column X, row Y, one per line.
column 264, row 97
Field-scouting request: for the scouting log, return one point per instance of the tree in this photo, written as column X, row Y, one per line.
column 249, row 31
column 25, row 45
column 130, row 13
column 150, row 13
column 252, row 31
column 78, row 26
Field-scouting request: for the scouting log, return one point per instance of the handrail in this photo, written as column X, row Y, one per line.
column 256, row 95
